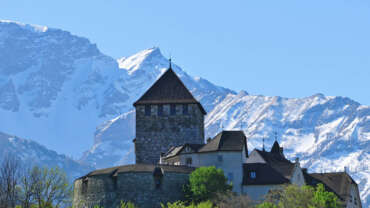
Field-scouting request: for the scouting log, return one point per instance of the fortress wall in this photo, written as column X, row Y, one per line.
column 156, row 134
column 137, row 187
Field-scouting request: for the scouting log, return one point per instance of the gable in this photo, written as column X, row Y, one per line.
column 255, row 157
column 168, row 89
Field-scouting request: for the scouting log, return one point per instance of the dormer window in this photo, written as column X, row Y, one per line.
column 185, row 109
column 160, row 110
column 173, row 109
column 147, row 110
column 252, row 175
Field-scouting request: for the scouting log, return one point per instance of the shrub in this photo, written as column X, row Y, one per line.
column 303, row 197
column 205, row 183
column 180, row 204
column 231, row 200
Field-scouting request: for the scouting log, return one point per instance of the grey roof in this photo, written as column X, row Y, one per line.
column 278, row 162
column 265, row 174
column 226, row 141
column 168, row 89
column 177, row 150
column 338, row 183
column 276, row 170
column 114, row 171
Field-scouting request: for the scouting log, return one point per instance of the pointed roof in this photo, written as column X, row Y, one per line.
column 168, row 89
column 275, row 148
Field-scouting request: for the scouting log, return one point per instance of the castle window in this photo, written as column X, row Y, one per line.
column 160, row 110
column 173, row 109
column 230, row 176
column 220, row 158
column 189, row 161
column 252, row 174
column 147, row 110
column 185, row 109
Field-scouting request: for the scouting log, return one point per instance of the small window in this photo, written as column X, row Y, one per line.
column 252, row 174
column 173, row 109
column 189, row 161
column 185, row 109
column 230, row 176
column 220, row 158
column 160, row 110
column 147, row 110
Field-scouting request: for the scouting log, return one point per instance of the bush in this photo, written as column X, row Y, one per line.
column 205, row 183
column 180, row 204
column 231, row 200
column 304, row 197
column 127, row 205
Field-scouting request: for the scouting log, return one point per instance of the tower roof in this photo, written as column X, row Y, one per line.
column 168, row 89
column 275, row 148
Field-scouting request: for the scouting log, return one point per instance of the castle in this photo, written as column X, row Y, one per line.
column 170, row 144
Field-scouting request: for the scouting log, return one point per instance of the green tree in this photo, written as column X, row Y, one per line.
column 266, row 205
column 324, row 199
column 303, row 197
column 180, row 204
column 205, row 183
column 51, row 187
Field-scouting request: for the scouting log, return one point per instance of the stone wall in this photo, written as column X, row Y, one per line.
column 136, row 187
column 156, row 134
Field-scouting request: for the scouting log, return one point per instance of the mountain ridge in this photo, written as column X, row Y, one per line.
column 60, row 89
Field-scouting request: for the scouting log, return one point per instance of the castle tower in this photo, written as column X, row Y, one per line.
column 167, row 115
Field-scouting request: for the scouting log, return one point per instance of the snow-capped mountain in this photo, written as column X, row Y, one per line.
column 65, row 87
column 31, row 153
column 60, row 89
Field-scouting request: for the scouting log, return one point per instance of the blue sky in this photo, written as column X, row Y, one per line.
column 286, row 48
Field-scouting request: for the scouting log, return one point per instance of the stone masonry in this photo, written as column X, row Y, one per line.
column 139, row 188
column 156, row 134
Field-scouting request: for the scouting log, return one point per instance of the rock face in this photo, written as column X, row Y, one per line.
column 144, row 185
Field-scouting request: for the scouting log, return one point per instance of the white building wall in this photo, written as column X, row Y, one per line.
column 231, row 163
column 297, row 177
column 258, row 192
column 353, row 200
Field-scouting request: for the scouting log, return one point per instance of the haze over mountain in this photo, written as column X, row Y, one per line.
column 62, row 92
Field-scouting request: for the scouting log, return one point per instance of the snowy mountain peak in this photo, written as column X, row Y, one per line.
column 136, row 61
column 33, row 28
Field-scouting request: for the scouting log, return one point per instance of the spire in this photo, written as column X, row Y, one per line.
column 275, row 133
column 263, row 144
column 170, row 62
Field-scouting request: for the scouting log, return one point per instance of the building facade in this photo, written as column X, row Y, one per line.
column 167, row 115
column 169, row 145
column 227, row 150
